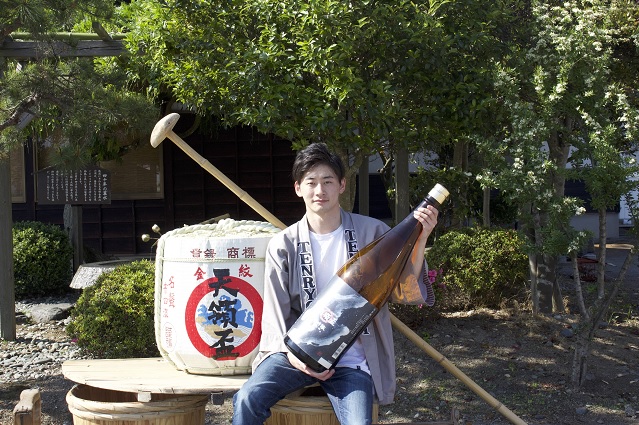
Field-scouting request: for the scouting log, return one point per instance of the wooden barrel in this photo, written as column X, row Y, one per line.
column 209, row 282
column 306, row 407
column 96, row 406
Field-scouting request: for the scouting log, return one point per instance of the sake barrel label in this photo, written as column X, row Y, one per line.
column 209, row 286
column 329, row 325
column 220, row 317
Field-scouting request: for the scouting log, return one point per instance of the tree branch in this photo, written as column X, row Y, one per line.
column 602, row 305
column 578, row 291
column 22, row 108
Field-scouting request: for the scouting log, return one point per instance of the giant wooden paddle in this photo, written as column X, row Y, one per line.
column 164, row 129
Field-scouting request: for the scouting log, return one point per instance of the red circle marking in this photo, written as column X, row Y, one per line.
column 244, row 288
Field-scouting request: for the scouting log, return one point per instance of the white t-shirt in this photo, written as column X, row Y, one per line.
column 329, row 254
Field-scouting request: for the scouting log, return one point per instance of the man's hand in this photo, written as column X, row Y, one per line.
column 428, row 217
column 298, row 364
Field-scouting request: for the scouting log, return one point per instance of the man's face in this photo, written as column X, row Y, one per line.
column 320, row 189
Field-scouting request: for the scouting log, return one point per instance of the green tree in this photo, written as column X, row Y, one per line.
column 456, row 99
column 83, row 109
column 567, row 91
column 82, row 106
column 362, row 76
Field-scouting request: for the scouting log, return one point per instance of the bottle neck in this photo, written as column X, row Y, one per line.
column 429, row 200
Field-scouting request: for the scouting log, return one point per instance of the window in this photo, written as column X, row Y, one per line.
column 138, row 175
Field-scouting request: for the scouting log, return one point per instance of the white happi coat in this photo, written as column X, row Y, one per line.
column 287, row 294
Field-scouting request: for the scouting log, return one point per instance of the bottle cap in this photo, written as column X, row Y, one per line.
column 439, row 193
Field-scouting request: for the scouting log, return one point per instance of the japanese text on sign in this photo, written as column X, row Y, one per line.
column 86, row 186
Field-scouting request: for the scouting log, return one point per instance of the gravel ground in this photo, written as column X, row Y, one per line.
column 522, row 361
column 517, row 362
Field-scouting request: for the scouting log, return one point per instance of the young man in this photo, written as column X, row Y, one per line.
column 367, row 369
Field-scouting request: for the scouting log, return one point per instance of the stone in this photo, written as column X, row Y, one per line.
column 43, row 313
column 88, row 273
column 581, row 410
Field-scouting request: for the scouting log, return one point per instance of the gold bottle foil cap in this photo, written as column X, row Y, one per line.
column 439, row 193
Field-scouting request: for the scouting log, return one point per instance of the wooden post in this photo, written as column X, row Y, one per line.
column 82, row 48
column 28, row 410
column 73, row 225
column 7, row 288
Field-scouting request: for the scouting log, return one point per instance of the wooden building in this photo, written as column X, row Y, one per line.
column 164, row 186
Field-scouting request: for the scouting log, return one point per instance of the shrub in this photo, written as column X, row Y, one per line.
column 42, row 259
column 480, row 267
column 115, row 317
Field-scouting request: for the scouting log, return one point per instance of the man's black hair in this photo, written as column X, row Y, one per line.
column 315, row 154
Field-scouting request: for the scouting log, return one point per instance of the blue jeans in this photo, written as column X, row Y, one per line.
column 349, row 390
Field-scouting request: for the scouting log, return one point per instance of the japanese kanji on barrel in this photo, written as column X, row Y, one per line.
column 209, row 282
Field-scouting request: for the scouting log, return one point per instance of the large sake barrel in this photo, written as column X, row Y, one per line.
column 209, row 282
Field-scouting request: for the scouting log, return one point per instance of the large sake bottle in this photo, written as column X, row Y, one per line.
column 356, row 293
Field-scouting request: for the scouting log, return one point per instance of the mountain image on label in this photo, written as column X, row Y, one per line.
column 355, row 294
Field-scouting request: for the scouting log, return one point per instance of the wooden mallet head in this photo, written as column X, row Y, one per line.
column 164, row 129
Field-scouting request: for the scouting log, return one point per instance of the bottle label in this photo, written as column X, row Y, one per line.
column 332, row 323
